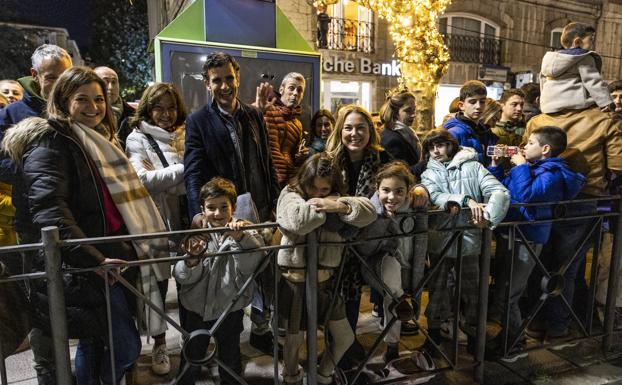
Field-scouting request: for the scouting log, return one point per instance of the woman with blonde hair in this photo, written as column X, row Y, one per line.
column 354, row 146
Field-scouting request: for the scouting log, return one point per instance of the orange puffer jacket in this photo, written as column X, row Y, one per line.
column 285, row 134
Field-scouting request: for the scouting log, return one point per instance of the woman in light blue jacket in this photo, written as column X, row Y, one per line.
column 455, row 179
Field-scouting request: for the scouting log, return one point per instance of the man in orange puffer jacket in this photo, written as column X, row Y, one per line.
column 285, row 131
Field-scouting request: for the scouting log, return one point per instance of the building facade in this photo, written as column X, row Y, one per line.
column 40, row 34
column 500, row 42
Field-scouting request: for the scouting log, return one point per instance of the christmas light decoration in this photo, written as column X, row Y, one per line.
column 419, row 47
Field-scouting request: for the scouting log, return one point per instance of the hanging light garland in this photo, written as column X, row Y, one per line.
column 418, row 45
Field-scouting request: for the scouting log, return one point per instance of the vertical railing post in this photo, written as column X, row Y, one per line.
column 275, row 308
column 311, row 294
column 56, row 298
column 3, row 377
column 613, row 280
column 484, row 273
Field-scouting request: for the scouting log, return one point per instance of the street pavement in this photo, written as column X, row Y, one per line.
column 582, row 364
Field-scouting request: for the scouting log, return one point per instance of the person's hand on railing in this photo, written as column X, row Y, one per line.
column 477, row 213
column 236, row 227
column 329, row 205
column 110, row 278
column 419, row 197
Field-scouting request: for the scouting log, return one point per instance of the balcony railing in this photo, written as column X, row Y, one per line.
column 474, row 49
column 346, row 35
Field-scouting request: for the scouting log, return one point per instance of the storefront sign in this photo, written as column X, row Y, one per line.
column 495, row 74
column 333, row 63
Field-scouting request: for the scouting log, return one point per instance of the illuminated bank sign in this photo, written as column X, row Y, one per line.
column 335, row 64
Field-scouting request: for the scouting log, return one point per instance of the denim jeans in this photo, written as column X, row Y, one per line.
column 563, row 243
column 93, row 354
column 523, row 266
column 228, row 339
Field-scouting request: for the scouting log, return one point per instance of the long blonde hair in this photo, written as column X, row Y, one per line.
column 334, row 145
column 66, row 85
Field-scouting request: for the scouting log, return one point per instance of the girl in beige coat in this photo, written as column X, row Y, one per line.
column 312, row 202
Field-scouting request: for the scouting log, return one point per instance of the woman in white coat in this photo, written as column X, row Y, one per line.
column 155, row 148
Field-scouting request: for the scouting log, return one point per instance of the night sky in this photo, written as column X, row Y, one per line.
column 70, row 14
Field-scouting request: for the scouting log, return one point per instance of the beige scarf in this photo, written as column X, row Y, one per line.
column 139, row 212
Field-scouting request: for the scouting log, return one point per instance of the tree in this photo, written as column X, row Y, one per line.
column 16, row 49
column 120, row 40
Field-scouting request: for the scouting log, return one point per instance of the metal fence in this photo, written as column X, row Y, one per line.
column 474, row 49
column 348, row 35
column 412, row 225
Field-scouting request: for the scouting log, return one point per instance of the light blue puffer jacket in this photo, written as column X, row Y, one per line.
column 463, row 176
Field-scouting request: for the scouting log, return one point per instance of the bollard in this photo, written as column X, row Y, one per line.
column 484, row 273
column 613, row 281
column 56, row 297
column 311, row 294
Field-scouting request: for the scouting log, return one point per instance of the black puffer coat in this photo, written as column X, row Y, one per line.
column 59, row 188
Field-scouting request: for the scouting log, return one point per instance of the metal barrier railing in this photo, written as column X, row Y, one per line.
column 51, row 245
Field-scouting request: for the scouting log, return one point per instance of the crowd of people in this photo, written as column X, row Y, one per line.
column 75, row 155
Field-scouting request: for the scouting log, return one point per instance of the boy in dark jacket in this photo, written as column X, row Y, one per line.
column 465, row 125
column 540, row 175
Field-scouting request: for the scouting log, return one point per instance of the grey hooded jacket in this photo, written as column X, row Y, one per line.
column 571, row 82
column 209, row 287
column 463, row 176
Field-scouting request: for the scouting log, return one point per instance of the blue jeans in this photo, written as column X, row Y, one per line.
column 523, row 266
column 563, row 243
column 93, row 354
column 228, row 339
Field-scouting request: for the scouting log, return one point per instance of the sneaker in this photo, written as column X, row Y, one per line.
column 517, row 352
column 296, row 379
column 409, row 329
column 557, row 337
column 160, row 363
column 447, row 331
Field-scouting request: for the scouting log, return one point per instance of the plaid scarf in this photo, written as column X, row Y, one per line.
column 139, row 212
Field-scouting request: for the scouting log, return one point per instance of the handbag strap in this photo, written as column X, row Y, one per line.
column 156, row 148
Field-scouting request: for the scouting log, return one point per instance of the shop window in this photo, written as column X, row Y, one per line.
column 556, row 37
column 337, row 93
column 350, row 28
column 471, row 39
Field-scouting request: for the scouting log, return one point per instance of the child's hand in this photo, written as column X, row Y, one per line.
column 477, row 211
column 192, row 262
column 494, row 160
column 610, row 108
column 328, row 205
column 236, row 225
column 419, row 197
column 518, row 158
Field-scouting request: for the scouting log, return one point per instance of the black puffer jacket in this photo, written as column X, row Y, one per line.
column 59, row 188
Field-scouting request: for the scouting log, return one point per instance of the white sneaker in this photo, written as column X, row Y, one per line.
column 160, row 363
